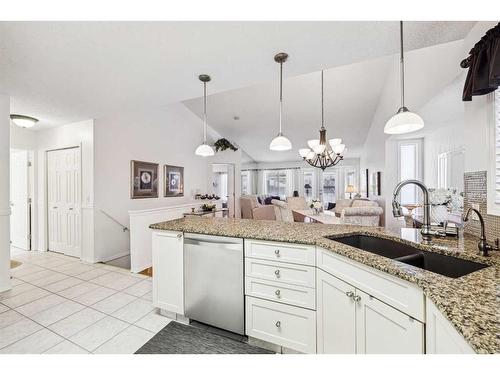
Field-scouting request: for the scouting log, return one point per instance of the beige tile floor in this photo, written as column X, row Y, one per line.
column 59, row 304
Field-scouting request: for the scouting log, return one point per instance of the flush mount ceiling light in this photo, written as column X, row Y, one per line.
column 280, row 142
column 23, row 121
column 403, row 121
column 323, row 154
column 204, row 149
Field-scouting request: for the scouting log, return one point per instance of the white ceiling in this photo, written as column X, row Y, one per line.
column 62, row 72
column 351, row 98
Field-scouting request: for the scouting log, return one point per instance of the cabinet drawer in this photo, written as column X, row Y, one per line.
column 290, row 253
column 396, row 292
column 281, row 292
column 283, row 272
column 288, row 326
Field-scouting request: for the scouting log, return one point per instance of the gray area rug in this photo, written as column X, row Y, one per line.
column 178, row 338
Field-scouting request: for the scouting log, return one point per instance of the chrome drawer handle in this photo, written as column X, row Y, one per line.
column 349, row 294
column 277, row 252
column 179, row 235
column 277, row 273
column 278, row 324
column 278, row 292
column 356, row 298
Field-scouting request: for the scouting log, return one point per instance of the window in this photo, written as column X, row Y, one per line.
column 245, row 183
column 329, row 185
column 409, row 167
column 276, row 182
column 309, row 183
column 494, row 170
column 350, row 179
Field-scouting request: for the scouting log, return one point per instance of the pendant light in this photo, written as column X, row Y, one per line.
column 204, row 149
column 280, row 142
column 403, row 121
column 322, row 154
column 23, row 121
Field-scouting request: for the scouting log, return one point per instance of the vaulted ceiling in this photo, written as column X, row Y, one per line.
column 61, row 72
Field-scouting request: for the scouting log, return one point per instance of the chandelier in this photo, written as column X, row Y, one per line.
column 323, row 154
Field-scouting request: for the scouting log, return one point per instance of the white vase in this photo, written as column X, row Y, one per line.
column 439, row 214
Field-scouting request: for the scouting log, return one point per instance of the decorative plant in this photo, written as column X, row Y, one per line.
column 223, row 144
column 316, row 204
column 208, row 207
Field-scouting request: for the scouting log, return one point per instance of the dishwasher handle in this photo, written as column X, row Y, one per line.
column 220, row 245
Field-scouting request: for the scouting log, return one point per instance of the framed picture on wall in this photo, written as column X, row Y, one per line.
column 144, row 179
column 174, row 181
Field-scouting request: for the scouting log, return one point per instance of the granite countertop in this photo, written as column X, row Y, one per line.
column 471, row 302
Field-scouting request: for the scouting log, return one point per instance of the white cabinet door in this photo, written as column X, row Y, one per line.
column 168, row 271
column 19, row 192
column 441, row 337
column 381, row 329
column 336, row 323
column 64, row 201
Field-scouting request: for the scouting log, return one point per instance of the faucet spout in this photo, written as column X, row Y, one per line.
column 396, row 206
column 483, row 246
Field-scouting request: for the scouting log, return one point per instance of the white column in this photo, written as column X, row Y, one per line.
column 5, row 283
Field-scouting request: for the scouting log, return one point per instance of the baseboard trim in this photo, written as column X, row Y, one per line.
column 113, row 257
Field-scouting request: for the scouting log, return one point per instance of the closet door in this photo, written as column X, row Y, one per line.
column 19, row 193
column 64, row 197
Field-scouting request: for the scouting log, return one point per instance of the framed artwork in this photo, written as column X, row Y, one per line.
column 174, row 181
column 144, row 179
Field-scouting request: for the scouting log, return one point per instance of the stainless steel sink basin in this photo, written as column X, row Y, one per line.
column 442, row 264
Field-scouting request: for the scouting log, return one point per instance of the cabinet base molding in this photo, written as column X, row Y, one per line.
column 174, row 316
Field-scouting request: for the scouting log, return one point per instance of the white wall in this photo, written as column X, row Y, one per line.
column 166, row 135
column 4, row 193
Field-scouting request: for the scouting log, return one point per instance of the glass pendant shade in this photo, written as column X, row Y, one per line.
column 303, row 152
column 403, row 122
column 280, row 143
column 338, row 149
column 23, row 121
column 204, row 150
column 310, row 155
column 319, row 148
column 312, row 143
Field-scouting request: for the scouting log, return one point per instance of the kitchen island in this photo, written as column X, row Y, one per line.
column 469, row 304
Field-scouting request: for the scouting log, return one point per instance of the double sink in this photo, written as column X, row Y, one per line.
column 441, row 264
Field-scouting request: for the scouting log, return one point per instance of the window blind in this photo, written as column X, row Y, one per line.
column 497, row 147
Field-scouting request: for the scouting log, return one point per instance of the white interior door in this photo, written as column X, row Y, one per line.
column 64, row 201
column 19, row 196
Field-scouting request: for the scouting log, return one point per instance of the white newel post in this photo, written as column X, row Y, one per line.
column 4, row 193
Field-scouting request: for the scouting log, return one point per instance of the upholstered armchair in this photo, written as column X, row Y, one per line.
column 252, row 209
column 297, row 203
column 282, row 211
column 362, row 212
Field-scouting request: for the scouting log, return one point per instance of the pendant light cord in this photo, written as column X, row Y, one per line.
column 204, row 112
column 402, row 65
column 322, row 103
column 281, row 93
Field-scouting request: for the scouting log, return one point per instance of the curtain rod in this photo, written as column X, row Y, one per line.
column 269, row 169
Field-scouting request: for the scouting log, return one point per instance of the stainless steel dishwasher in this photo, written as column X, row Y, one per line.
column 213, row 281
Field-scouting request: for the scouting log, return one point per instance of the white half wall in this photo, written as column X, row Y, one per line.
column 5, row 283
column 166, row 135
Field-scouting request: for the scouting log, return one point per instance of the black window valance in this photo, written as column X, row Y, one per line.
column 483, row 62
